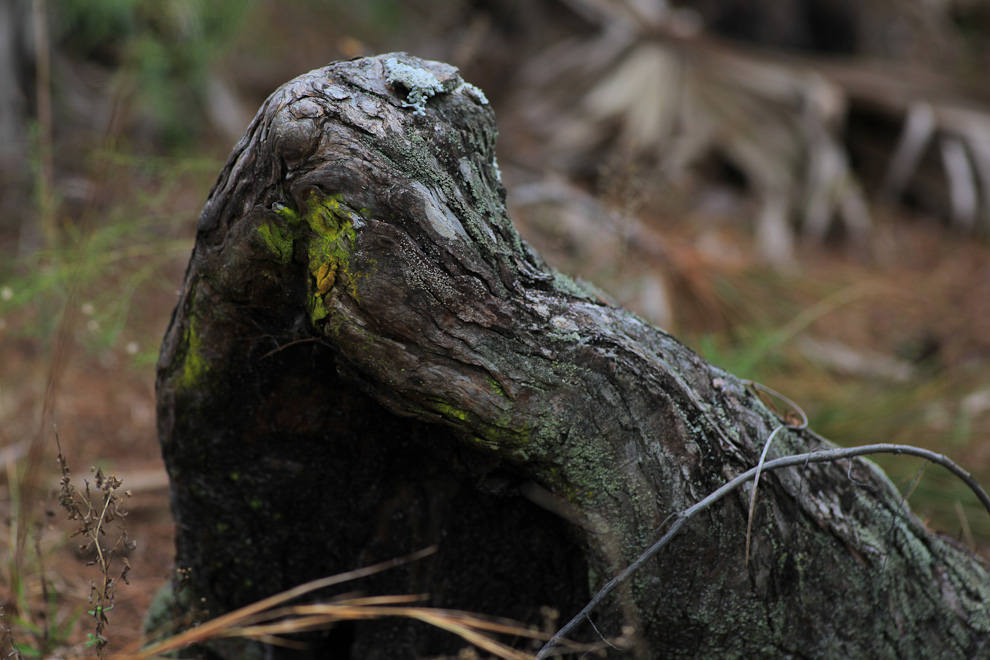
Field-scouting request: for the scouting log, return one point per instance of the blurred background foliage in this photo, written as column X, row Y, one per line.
column 162, row 52
column 800, row 189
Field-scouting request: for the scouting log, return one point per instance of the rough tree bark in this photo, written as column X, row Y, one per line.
column 366, row 359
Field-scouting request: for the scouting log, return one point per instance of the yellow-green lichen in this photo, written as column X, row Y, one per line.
column 329, row 247
column 193, row 366
column 496, row 387
column 319, row 310
column 326, row 217
column 450, row 412
column 497, row 434
column 289, row 215
column 326, row 274
column 278, row 242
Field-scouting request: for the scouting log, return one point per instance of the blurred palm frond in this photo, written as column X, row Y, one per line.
column 649, row 86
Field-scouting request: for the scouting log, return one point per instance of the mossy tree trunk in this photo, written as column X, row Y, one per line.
column 366, row 359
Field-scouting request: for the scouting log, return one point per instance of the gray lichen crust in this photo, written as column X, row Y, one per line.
column 420, row 83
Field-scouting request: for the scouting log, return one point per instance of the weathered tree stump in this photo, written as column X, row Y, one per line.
column 366, row 359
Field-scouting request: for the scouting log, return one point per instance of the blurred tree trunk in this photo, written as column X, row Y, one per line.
column 17, row 91
column 366, row 360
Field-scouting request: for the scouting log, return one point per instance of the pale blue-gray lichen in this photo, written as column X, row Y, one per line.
column 473, row 92
column 419, row 83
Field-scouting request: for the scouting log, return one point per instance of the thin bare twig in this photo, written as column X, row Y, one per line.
column 733, row 485
column 766, row 449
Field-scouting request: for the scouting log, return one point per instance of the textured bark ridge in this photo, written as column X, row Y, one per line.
column 366, row 359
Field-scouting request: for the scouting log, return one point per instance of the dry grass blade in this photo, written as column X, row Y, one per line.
column 340, row 604
column 269, row 620
column 462, row 625
column 304, row 618
column 314, row 617
column 216, row 627
column 766, row 450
